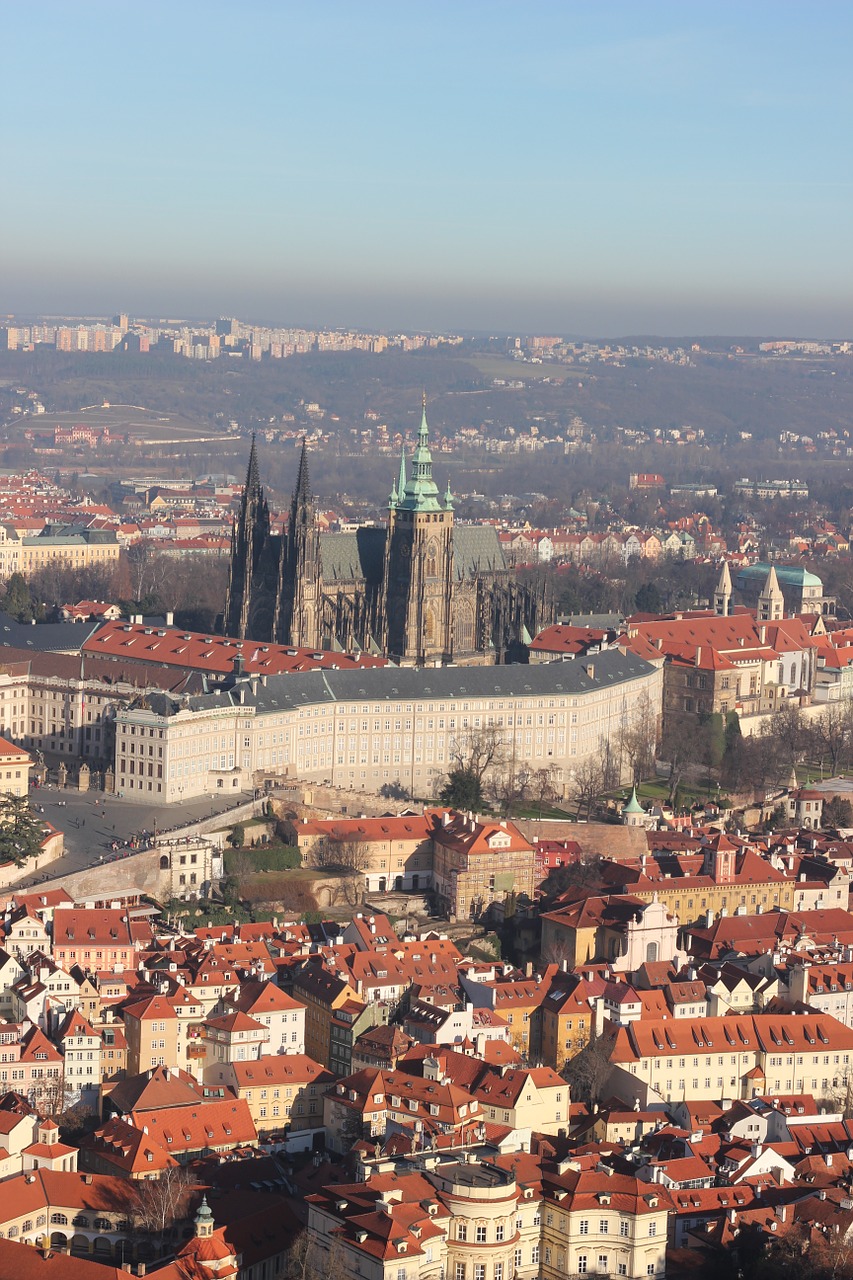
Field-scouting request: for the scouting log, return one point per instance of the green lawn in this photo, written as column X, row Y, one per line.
column 656, row 791
column 547, row 811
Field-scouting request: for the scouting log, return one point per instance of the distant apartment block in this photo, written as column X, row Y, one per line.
column 766, row 490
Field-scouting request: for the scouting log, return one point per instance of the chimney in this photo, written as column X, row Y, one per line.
column 170, row 622
column 697, row 661
column 590, row 670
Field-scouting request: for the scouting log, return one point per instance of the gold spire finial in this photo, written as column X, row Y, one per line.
column 423, row 400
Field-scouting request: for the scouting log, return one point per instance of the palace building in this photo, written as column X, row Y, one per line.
column 363, row 728
column 424, row 590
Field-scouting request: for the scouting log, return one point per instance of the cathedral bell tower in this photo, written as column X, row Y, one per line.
column 298, row 614
column 418, row 571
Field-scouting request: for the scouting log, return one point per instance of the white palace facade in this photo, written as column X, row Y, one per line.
column 364, row 729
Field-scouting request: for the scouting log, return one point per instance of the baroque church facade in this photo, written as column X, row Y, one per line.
column 422, row 590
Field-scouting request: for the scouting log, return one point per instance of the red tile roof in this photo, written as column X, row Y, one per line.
column 196, row 651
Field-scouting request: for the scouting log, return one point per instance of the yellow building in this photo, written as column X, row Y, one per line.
column 518, row 1003
column 566, row 1025
column 536, row 1099
column 389, row 852
column 324, row 997
column 151, row 1027
column 281, row 1089
column 15, row 767
column 736, row 1056
column 79, row 549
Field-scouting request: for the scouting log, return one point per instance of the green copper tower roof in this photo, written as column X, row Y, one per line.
column 419, row 492
column 205, row 1213
column 633, row 805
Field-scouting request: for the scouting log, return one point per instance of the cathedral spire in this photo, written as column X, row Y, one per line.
column 423, row 432
column 400, row 487
column 253, row 475
column 302, row 492
column 420, row 492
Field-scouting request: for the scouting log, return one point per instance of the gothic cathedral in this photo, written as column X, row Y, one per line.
column 421, row 591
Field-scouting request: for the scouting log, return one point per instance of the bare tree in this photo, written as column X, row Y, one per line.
column 542, row 788
column 609, row 764
column 828, row 735
column 473, row 754
column 787, row 729
column 509, row 791
column 588, row 1071
column 162, row 1202
column 479, row 750
column 637, row 739
column 679, row 749
column 302, row 1260
column 587, row 783
column 307, row 1259
column 339, row 852
column 559, row 951
column 51, row 1096
column 140, row 558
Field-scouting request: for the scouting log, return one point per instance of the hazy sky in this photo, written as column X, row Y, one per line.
column 568, row 165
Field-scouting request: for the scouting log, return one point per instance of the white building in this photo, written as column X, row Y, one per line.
column 366, row 728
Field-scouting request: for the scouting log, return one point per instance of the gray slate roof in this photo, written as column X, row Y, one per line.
column 390, row 684
column 359, row 556
column 45, row 637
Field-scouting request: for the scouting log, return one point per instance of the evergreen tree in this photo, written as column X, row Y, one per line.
column 17, row 599
column 648, row 599
column 20, row 830
column 463, row 789
column 837, row 812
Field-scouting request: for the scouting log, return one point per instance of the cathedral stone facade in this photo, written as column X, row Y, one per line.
column 422, row 590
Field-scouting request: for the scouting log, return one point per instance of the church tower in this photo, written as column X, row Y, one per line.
column 417, row 588
column 249, row 542
column 298, row 612
column 723, row 594
column 771, row 602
